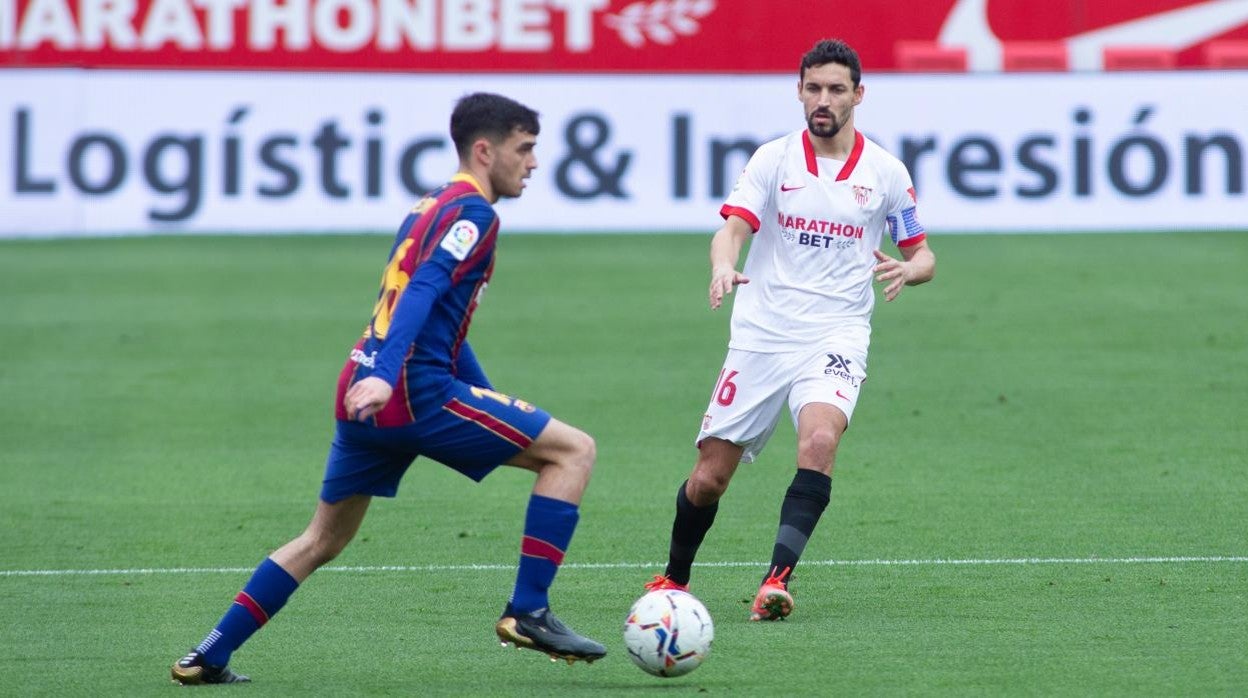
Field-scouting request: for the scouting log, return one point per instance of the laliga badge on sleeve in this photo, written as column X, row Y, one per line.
column 460, row 239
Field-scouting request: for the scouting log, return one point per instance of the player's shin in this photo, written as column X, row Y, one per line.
column 264, row 595
column 804, row 502
column 688, row 529
column 548, row 527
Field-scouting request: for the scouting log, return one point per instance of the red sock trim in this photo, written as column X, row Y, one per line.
column 244, row 599
column 536, row 547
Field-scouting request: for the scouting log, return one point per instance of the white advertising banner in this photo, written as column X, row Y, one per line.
column 101, row 152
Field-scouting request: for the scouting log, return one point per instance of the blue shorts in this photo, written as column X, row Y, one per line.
column 473, row 431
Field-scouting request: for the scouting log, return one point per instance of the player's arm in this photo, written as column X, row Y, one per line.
column 750, row 197
column 918, row 263
column 367, row 396
column 725, row 253
column 916, row 266
column 469, row 370
column 432, row 278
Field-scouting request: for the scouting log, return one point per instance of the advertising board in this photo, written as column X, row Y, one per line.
column 121, row 152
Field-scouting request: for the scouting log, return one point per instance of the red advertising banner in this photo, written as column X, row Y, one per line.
column 592, row 36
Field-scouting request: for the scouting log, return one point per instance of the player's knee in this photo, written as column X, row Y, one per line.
column 819, row 444
column 707, row 485
column 584, row 452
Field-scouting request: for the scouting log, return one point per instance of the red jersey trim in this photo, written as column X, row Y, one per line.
column 397, row 411
column 744, row 213
column 913, row 241
column 854, row 156
column 812, row 165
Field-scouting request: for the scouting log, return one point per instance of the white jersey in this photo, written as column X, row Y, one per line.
column 817, row 222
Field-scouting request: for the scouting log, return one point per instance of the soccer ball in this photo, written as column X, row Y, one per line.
column 668, row 633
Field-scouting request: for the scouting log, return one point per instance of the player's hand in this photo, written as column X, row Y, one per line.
column 723, row 280
column 894, row 271
column 366, row 398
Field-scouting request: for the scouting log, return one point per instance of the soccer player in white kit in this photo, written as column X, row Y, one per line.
column 818, row 201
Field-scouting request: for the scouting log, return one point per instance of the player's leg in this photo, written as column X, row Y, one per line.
column 473, row 432
column 562, row 456
column 822, row 401
column 333, row 526
column 477, row 429
column 740, row 418
column 268, row 589
column 363, row 462
column 697, row 502
column 818, row 433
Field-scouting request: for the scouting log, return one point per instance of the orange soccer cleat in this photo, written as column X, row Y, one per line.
column 773, row 601
column 662, row 582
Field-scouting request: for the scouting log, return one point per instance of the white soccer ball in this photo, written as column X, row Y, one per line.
column 668, row 632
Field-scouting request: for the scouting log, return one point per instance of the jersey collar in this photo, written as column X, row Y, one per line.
column 465, row 177
column 812, row 164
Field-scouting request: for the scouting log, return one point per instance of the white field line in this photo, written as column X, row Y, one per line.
column 652, row 565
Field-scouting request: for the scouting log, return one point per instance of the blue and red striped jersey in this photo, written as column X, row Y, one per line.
column 441, row 261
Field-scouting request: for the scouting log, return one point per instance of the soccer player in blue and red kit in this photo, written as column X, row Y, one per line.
column 412, row 387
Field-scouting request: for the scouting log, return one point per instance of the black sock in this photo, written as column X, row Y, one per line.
column 690, row 527
column 804, row 503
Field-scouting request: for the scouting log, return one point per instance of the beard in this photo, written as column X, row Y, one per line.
column 505, row 187
column 832, row 128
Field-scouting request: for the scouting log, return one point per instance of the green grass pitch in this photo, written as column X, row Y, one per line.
column 1044, row 491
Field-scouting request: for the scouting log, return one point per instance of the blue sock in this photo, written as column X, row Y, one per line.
column 265, row 594
column 548, row 527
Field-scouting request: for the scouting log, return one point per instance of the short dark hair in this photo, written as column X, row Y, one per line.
column 833, row 51
column 489, row 115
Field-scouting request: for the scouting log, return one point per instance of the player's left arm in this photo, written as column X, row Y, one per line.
column 916, row 266
column 433, row 278
column 918, row 263
column 369, row 395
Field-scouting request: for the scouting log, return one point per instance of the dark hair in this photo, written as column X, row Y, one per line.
column 489, row 115
column 833, row 51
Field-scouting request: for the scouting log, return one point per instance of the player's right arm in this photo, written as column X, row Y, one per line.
column 751, row 197
column 725, row 253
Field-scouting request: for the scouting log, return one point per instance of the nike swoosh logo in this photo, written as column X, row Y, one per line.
column 967, row 25
column 838, row 394
column 785, row 187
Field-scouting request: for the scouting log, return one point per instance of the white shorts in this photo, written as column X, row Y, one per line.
column 753, row 387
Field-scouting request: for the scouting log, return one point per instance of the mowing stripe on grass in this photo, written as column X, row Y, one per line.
column 650, row 565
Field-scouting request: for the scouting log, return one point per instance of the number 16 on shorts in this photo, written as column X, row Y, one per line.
column 725, row 390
